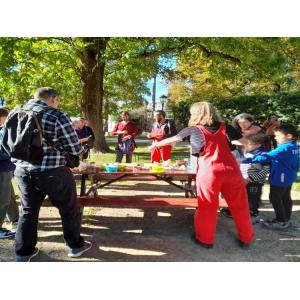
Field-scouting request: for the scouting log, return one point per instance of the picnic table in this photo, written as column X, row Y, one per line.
column 101, row 179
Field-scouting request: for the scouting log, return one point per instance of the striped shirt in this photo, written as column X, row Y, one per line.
column 257, row 172
column 57, row 126
column 197, row 139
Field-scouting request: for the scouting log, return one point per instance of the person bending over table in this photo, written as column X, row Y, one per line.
column 217, row 172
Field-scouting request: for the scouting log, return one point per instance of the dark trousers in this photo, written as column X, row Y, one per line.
column 120, row 156
column 254, row 192
column 280, row 197
column 60, row 186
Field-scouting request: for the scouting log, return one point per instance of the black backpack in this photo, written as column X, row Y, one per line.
column 22, row 134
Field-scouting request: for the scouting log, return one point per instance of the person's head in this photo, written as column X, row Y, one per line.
column 49, row 95
column 243, row 121
column 3, row 114
column 285, row 133
column 255, row 141
column 159, row 115
column 80, row 123
column 75, row 123
column 203, row 113
column 125, row 116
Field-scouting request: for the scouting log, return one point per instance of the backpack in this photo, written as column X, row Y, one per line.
column 22, row 134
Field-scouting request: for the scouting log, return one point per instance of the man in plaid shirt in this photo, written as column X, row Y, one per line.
column 51, row 177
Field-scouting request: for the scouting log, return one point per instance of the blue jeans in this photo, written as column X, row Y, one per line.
column 60, row 186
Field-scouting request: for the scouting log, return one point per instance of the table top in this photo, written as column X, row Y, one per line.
column 167, row 172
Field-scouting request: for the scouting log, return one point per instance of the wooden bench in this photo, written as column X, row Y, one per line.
column 136, row 201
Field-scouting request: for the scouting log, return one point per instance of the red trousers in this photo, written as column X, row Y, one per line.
column 228, row 181
column 161, row 153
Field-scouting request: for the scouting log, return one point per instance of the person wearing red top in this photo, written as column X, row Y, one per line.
column 217, row 172
column 161, row 129
column 126, row 131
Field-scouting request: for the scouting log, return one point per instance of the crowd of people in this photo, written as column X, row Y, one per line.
column 233, row 162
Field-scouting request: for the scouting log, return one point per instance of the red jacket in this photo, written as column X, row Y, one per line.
column 131, row 127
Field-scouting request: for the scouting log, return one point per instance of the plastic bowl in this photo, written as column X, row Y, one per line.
column 111, row 168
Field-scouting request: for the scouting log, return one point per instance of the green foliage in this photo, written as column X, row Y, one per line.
column 285, row 105
column 228, row 67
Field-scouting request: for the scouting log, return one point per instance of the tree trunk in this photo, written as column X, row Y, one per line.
column 92, row 76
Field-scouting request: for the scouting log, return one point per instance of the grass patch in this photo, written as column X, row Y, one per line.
column 141, row 154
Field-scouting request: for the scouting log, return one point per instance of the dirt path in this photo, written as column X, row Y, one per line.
column 158, row 234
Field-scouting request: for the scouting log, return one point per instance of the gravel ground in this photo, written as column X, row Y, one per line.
column 159, row 234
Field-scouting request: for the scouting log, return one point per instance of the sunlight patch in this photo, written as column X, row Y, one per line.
column 131, row 251
column 292, row 255
column 133, row 231
column 163, row 214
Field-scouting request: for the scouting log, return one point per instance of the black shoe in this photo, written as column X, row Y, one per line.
column 244, row 245
column 276, row 225
column 204, row 245
column 79, row 251
column 27, row 258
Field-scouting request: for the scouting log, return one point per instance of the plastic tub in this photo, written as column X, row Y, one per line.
column 111, row 168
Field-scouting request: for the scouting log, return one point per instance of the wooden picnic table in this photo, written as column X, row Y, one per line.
column 103, row 178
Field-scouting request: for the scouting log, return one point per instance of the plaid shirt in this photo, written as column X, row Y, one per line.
column 57, row 126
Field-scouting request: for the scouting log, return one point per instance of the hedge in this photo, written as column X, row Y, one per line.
column 284, row 105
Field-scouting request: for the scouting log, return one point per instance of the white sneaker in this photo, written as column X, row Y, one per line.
column 79, row 251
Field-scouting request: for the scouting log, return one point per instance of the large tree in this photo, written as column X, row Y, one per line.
column 96, row 73
column 88, row 72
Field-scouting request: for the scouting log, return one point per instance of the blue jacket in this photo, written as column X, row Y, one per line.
column 5, row 163
column 284, row 163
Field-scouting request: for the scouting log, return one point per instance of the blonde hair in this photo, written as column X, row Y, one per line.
column 203, row 113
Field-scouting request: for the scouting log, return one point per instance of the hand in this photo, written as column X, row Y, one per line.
column 149, row 136
column 84, row 140
column 153, row 146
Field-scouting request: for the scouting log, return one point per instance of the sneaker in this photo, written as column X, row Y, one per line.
column 204, row 245
column 225, row 212
column 244, row 245
column 79, row 251
column 27, row 258
column 5, row 233
column 276, row 225
column 255, row 219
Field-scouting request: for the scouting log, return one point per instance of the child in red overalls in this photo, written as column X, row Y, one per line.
column 217, row 172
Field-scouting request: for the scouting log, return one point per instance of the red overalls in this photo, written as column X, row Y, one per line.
column 159, row 153
column 218, row 172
